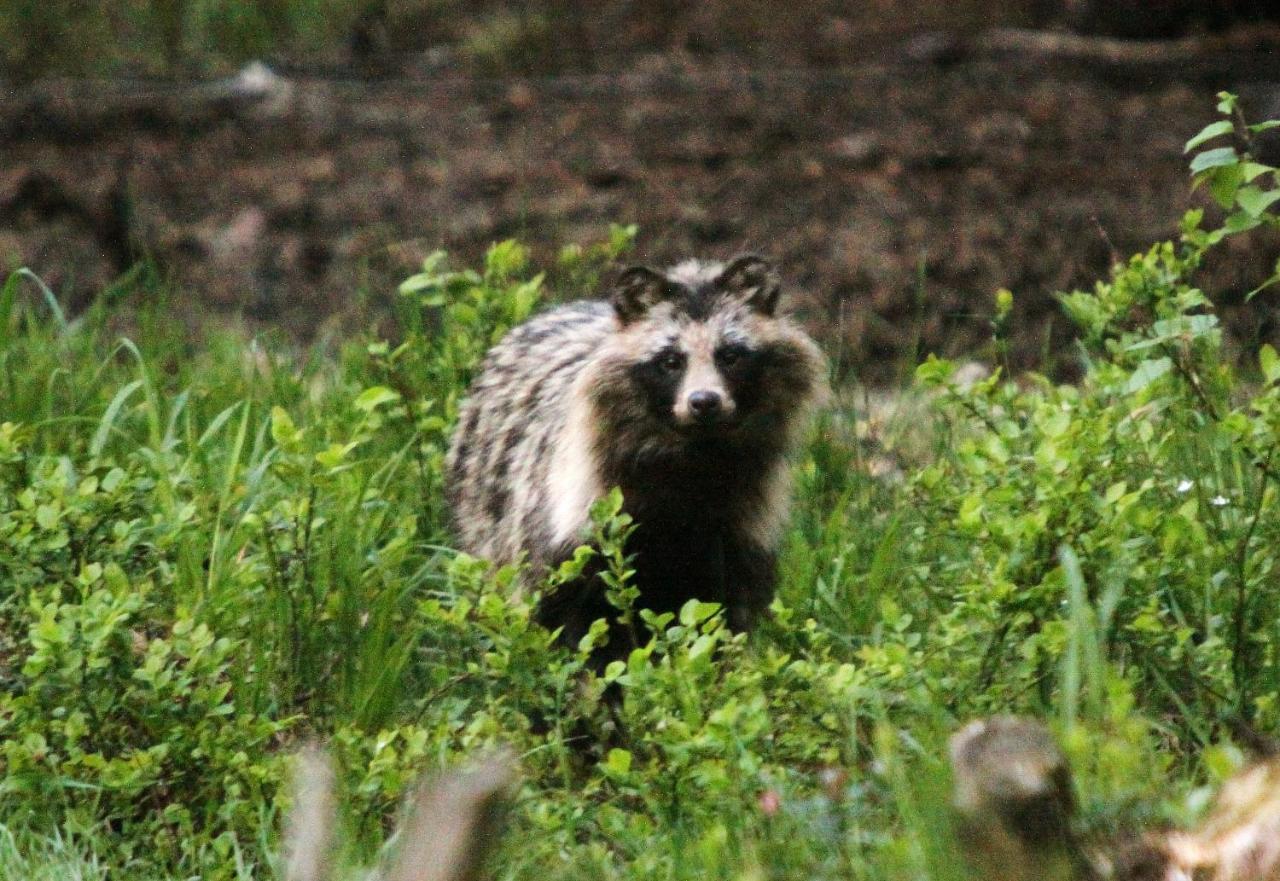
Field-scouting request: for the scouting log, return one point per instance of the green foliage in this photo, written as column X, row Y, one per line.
column 210, row 553
column 118, row 705
column 611, row 527
column 1156, row 470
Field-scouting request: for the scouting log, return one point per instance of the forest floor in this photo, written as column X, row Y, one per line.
column 899, row 191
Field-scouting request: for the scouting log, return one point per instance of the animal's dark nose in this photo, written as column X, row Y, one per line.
column 704, row 404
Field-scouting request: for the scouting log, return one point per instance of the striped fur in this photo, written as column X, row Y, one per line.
column 686, row 389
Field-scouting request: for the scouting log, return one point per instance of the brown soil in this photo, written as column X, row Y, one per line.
column 898, row 193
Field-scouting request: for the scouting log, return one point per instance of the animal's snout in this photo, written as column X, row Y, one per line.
column 705, row 404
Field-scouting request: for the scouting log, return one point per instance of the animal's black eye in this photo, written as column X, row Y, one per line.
column 730, row 355
column 670, row 360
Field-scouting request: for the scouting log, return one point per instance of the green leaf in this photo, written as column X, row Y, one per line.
column 1253, row 170
column 374, row 397
column 934, row 371
column 607, row 506
column 1259, row 127
column 283, row 431
column 419, row 282
column 112, row 480
column 1208, row 133
column 333, row 456
column 46, row 517
column 1147, row 373
column 1269, row 361
column 618, row 762
column 504, row 259
column 1240, row 222
column 1224, row 183
column 621, row 238
column 694, row 612
column 1214, row 159
column 1255, row 201
column 431, row 276
column 1004, row 301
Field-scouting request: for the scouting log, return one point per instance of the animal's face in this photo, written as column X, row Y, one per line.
column 704, row 351
column 693, row 372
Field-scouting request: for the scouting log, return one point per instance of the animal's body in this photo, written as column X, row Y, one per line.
column 686, row 389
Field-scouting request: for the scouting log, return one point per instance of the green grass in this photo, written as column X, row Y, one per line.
column 46, row 859
column 214, row 550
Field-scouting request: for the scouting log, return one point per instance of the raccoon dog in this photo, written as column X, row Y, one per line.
column 686, row 389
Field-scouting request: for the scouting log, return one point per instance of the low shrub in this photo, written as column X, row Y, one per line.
column 211, row 553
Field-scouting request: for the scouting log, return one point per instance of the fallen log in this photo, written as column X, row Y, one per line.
column 452, row 824
column 1014, row 805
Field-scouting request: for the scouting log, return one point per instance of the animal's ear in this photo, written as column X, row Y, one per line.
column 637, row 291
column 753, row 280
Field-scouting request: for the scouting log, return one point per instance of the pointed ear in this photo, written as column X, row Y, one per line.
column 637, row 291
column 753, row 280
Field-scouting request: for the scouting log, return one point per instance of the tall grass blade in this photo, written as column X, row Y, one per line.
column 50, row 300
column 8, row 299
column 107, row 423
column 152, row 394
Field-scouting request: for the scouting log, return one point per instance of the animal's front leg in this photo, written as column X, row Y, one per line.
column 750, row 577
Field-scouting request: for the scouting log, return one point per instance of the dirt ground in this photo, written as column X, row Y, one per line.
column 899, row 190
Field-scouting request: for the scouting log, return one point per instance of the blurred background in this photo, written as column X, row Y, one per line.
column 286, row 163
